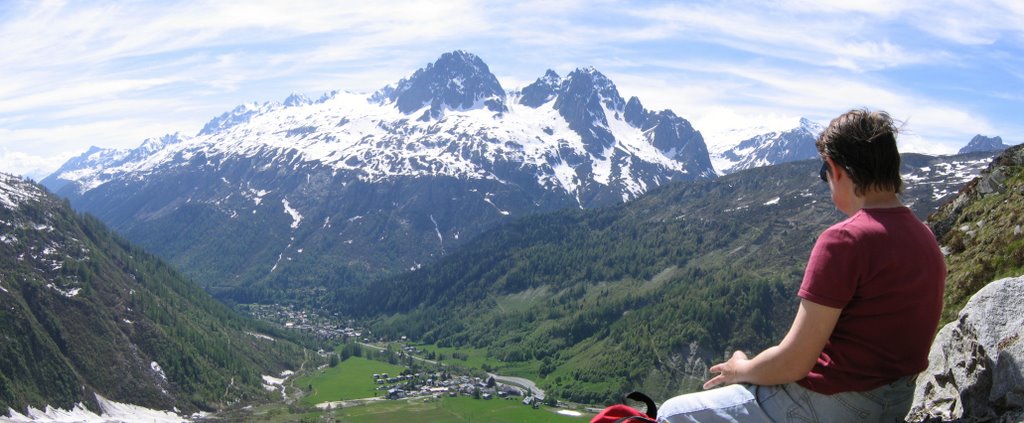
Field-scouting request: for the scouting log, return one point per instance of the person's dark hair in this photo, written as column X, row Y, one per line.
column 863, row 143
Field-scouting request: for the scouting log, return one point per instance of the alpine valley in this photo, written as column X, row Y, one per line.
column 641, row 295
column 578, row 238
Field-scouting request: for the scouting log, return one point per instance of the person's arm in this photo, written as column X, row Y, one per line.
column 789, row 361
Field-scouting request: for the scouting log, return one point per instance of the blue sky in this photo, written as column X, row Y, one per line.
column 111, row 74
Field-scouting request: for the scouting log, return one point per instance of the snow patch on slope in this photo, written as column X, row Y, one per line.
column 296, row 217
column 110, row 412
column 440, row 238
column 69, row 293
column 158, row 370
column 272, row 384
column 14, row 191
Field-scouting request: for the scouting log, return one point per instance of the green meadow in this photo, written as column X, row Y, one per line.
column 459, row 357
column 458, row 409
column 350, row 379
column 353, row 379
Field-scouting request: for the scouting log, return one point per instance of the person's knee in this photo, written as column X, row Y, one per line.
column 678, row 405
column 713, row 402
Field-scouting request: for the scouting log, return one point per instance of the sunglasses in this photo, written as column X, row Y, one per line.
column 823, row 173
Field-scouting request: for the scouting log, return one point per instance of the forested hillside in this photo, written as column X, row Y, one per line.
column 640, row 295
column 82, row 311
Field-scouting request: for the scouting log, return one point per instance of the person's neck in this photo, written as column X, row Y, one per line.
column 875, row 199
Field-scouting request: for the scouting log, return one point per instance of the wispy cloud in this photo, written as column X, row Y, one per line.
column 817, row 36
column 114, row 73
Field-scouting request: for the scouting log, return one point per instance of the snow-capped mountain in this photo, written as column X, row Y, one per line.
column 451, row 118
column 381, row 181
column 759, row 146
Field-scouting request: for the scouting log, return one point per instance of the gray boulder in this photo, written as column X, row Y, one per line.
column 974, row 371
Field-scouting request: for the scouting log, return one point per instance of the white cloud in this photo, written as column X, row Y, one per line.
column 884, row 9
column 35, row 167
column 971, row 22
column 112, row 74
column 53, row 145
column 717, row 96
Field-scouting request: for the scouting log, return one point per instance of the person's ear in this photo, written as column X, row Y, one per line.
column 835, row 170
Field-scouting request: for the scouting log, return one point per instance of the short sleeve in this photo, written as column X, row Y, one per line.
column 833, row 271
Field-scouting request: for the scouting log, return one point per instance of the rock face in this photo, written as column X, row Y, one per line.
column 983, row 143
column 975, row 362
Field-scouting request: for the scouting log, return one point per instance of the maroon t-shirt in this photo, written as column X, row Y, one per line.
column 885, row 270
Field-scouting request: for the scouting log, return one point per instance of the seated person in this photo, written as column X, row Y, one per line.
column 869, row 303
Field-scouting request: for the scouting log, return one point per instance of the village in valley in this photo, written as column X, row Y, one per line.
column 418, row 385
column 289, row 317
column 413, row 382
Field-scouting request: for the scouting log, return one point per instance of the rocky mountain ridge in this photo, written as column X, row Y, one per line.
column 768, row 147
column 451, row 118
column 983, row 143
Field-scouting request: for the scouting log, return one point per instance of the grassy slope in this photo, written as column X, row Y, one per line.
column 982, row 230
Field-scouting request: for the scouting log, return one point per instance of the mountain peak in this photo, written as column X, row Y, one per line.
column 152, row 145
column 239, row 115
column 297, row 100
column 462, row 56
column 542, row 90
column 768, row 144
column 457, row 80
column 811, row 125
column 592, row 79
column 982, row 143
column 583, row 97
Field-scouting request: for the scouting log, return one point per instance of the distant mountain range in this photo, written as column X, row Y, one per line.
column 312, row 194
column 85, row 315
column 765, row 147
column 574, row 136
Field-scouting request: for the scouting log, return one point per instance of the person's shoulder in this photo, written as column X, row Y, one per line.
column 839, row 232
column 860, row 224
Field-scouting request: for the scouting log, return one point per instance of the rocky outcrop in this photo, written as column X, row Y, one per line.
column 992, row 180
column 975, row 370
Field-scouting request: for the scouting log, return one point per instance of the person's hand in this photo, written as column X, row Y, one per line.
column 728, row 372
